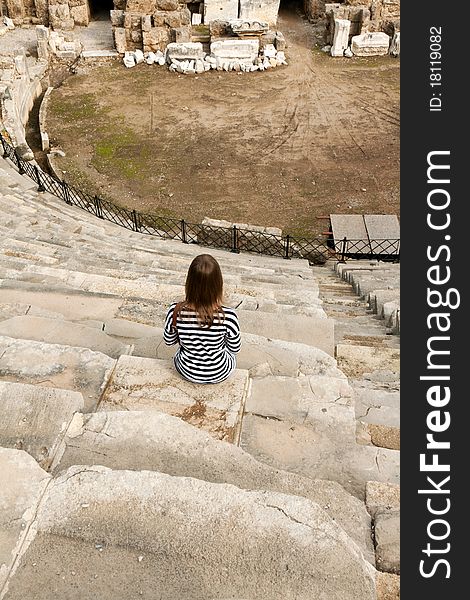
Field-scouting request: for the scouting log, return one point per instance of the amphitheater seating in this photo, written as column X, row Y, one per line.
column 121, row 480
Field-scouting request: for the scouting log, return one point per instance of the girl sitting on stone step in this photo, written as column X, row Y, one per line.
column 207, row 332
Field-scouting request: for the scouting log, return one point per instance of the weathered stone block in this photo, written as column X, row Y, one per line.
column 167, row 5
column 370, row 44
column 120, row 41
column 42, row 11
column 42, row 33
column 132, row 20
column 280, row 41
column 182, row 34
column 80, row 14
column 387, row 538
column 117, row 18
column 43, row 49
column 146, row 23
column 235, row 48
column 261, row 11
column 267, row 38
column 187, row 51
column 173, row 19
column 66, row 54
column 58, row 13
column 144, row 7
column 219, row 28
column 136, row 36
column 341, row 37
column 220, row 9
column 395, row 45
column 185, row 16
column 159, row 18
column 16, row 11
column 156, row 39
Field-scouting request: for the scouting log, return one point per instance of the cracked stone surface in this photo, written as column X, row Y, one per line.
column 311, row 452
column 22, row 483
column 35, row 418
column 53, row 365
column 387, row 540
column 158, row 442
column 151, row 384
column 169, row 531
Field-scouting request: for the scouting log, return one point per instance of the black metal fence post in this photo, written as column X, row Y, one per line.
column 98, row 210
column 343, row 249
column 19, row 163
column 235, row 244
column 183, row 232
column 287, row 249
column 65, row 188
column 135, row 221
column 37, row 172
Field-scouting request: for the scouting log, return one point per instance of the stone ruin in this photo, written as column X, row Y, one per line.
column 356, row 27
column 151, row 25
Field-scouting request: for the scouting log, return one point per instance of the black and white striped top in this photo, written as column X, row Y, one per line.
column 205, row 354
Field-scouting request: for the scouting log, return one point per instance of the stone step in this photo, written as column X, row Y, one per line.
column 99, row 305
column 323, row 403
column 72, row 305
column 353, row 268
column 152, row 288
column 259, row 355
column 17, row 309
column 35, row 419
column 23, row 484
column 152, row 384
column 378, row 298
column 11, row 179
column 355, row 361
column 379, row 339
column 383, row 504
column 171, row 542
column 366, row 285
column 78, row 258
column 152, row 441
column 166, row 247
column 58, row 331
column 311, row 452
column 312, row 331
column 351, row 302
column 53, row 365
column 379, row 410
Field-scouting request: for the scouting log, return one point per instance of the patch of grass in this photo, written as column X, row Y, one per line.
column 122, row 153
column 74, row 108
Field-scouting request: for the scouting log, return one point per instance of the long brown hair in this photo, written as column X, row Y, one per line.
column 204, row 288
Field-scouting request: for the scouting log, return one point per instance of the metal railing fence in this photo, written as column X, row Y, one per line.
column 234, row 239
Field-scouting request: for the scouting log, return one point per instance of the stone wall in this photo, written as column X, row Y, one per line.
column 20, row 85
column 60, row 14
column 150, row 25
column 365, row 16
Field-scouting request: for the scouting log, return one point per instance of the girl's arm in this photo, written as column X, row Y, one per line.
column 170, row 334
column 232, row 337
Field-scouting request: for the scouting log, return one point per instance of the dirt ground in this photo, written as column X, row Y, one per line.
column 279, row 148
